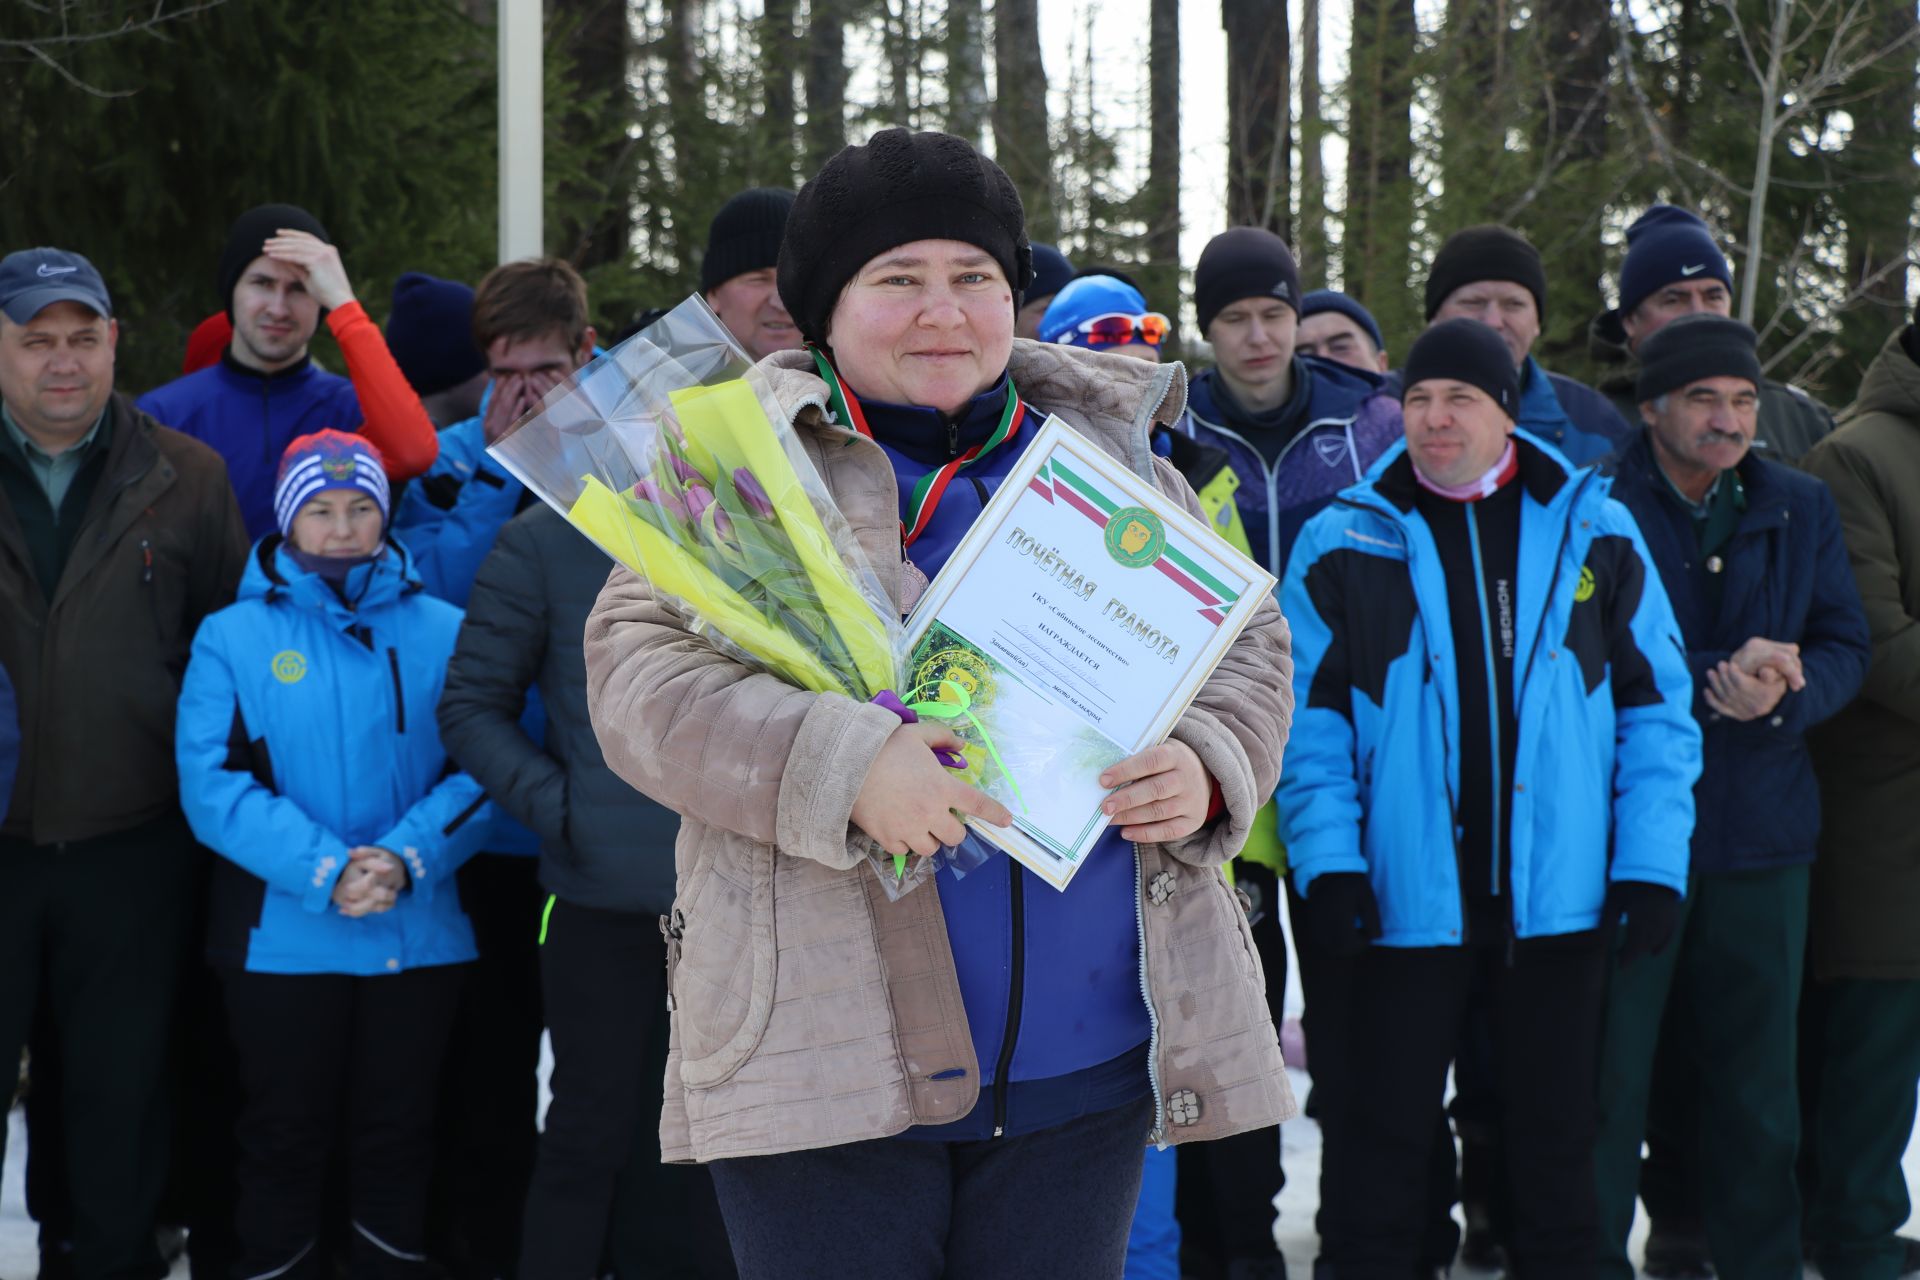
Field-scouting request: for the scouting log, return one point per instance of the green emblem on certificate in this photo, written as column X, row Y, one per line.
column 1135, row 537
column 959, row 665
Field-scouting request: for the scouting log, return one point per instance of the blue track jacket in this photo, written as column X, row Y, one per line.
column 1608, row 749
column 306, row 728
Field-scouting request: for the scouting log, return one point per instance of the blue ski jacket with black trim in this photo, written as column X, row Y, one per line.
column 1607, row 749
column 307, row 728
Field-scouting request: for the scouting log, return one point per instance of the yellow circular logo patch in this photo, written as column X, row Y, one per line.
column 1584, row 592
column 1135, row 537
column 289, row 666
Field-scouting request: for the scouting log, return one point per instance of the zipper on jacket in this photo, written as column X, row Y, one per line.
column 399, row 696
column 1157, row 1134
column 1273, row 472
column 1493, row 691
column 1010, row 1035
column 953, row 437
column 266, row 424
column 1446, row 732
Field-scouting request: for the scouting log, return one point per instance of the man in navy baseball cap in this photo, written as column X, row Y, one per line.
column 34, row 279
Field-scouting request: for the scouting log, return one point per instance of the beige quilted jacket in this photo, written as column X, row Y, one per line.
column 808, row 1010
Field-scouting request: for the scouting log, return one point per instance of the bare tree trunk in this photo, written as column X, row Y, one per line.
column 1020, row 136
column 779, row 68
column 897, row 42
column 826, row 81
column 966, row 70
column 1781, row 13
column 686, row 110
column 1572, row 180
column 1379, row 218
column 1161, row 275
column 1259, row 166
column 599, row 46
column 1310, row 245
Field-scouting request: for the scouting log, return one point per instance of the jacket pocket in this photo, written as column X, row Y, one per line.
column 721, row 970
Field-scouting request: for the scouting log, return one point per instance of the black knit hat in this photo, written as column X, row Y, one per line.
column 1701, row 345
column 1243, row 262
column 1486, row 253
column 898, row 188
column 745, row 235
column 249, row 232
column 1463, row 350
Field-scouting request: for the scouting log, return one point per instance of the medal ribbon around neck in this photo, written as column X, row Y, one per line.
column 925, row 499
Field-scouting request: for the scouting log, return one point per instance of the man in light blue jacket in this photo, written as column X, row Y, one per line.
column 1479, row 640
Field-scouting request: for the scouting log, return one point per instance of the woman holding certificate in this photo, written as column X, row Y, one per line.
column 960, row 1082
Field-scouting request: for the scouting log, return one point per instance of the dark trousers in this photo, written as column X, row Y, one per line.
column 490, row 1087
column 326, row 1056
column 1869, row 1033
column 1224, row 1192
column 1326, row 984
column 98, row 930
column 1733, row 977
column 1051, row 1205
column 599, row 1190
column 1407, row 1023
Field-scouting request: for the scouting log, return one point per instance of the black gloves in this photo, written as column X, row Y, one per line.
column 1342, row 916
column 1652, row 914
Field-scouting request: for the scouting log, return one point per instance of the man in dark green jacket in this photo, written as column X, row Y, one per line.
column 117, row 536
column 1865, row 1010
column 1673, row 268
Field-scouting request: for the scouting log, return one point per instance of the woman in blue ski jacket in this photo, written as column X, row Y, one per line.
column 310, row 760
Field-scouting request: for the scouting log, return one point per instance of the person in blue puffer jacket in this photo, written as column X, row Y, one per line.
column 310, row 761
column 1492, row 763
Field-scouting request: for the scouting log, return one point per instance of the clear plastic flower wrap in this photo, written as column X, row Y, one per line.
column 671, row 453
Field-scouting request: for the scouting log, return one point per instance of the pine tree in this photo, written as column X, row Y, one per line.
column 1021, row 141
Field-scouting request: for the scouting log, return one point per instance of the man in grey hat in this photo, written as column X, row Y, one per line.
column 133, row 532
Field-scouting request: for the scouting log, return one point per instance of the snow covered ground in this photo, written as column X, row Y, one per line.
column 1300, row 1140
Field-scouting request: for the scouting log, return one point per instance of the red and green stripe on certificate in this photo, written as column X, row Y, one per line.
column 1055, row 479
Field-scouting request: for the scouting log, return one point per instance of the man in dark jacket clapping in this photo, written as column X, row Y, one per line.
column 1751, row 554
column 606, row 856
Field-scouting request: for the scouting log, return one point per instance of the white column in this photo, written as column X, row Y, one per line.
column 522, row 163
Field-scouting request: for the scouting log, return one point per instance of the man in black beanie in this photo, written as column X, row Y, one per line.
column 1494, row 275
column 1491, row 765
column 1293, row 430
column 278, row 274
column 1751, row 554
column 737, row 275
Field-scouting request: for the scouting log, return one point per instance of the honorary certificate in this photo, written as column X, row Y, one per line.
column 1076, row 621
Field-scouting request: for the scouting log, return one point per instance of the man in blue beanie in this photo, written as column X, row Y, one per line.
column 1336, row 327
column 1051, row 272
column 1674, row 268
column 430, row 332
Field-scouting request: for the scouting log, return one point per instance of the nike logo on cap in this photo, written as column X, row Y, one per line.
column 1693, row 271
column 48, row 269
